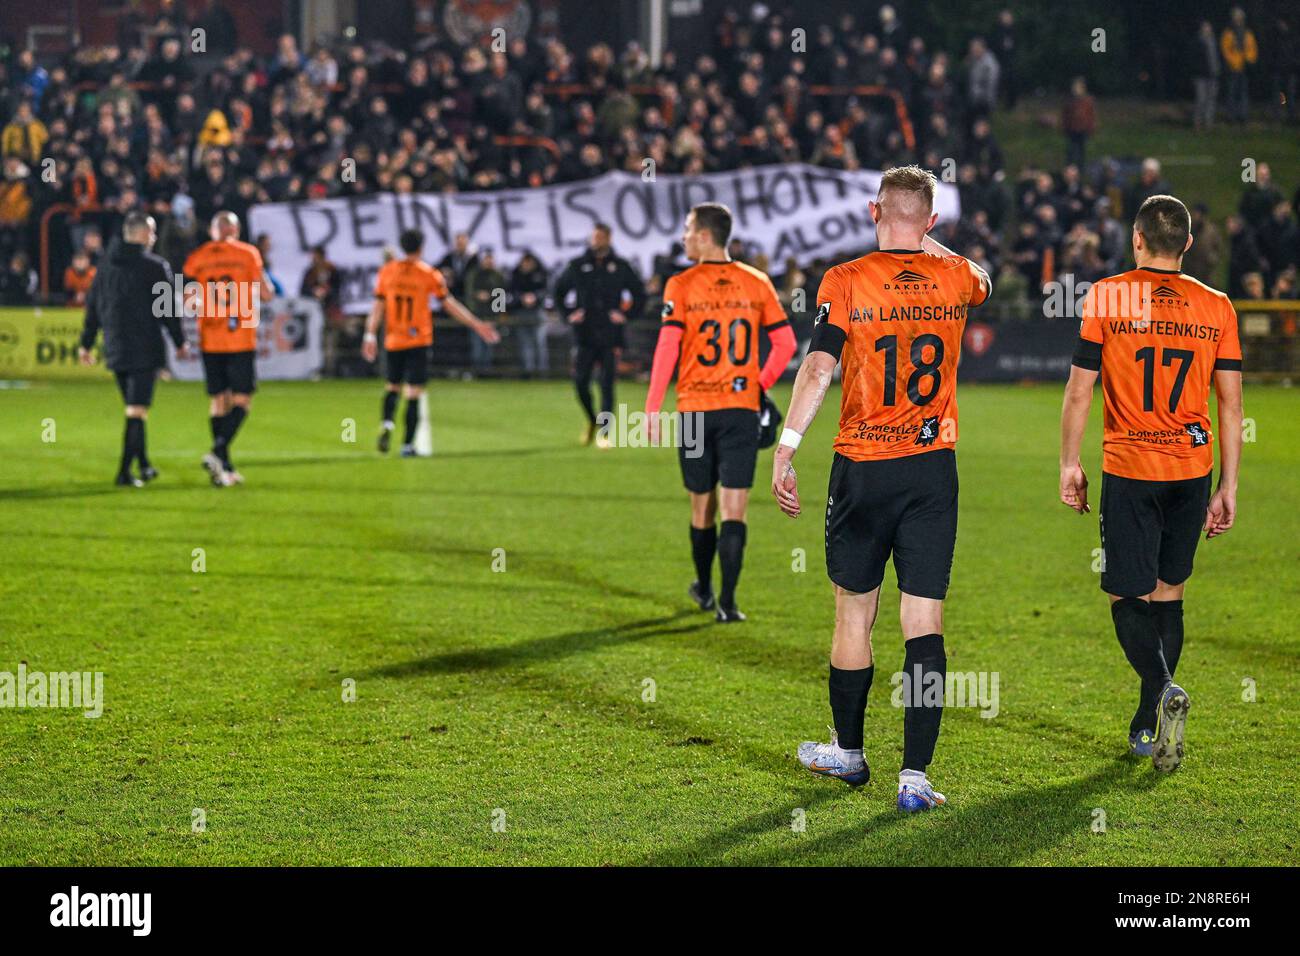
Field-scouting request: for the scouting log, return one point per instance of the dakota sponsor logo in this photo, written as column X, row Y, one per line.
column 908, row 282
column 72, row 909
column 82, row 691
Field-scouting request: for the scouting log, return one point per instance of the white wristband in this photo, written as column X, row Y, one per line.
column 370, row 337
column 790, row 438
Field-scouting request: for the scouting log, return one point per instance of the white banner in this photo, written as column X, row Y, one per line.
column 289, row 342
column 782, row 211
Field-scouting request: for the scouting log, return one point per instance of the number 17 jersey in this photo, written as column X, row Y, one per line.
column 897, row 319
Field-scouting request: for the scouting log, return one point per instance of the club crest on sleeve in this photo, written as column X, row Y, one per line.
column 668, row 308
column 823, row 313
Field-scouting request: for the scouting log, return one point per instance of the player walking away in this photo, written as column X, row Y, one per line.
column 234, row 286
column 402, row 291
column 121, row 301
column 711, row 317
column 607, row 291
column 894, row 318
column 1159, row 339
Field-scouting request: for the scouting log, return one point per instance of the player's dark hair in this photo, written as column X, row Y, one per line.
column 715, row 218
column 411, row 241
column 1165, row 224
column 603, row 227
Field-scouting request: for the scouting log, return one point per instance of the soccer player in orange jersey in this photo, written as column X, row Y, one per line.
column 894, row 319
column 712, row 315
column 402, row 291
column 234, row 286
column 1159, row 340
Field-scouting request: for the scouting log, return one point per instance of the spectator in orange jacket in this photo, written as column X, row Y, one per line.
column 1239, row 55
column 78, row 277
column 1079, row 120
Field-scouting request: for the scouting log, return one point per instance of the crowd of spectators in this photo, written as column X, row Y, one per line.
column 150, row 123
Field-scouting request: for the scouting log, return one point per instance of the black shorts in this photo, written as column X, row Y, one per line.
column 906, row 507
column 408, row 365
column 1149, row 532
column 723, row 448
column 136, row 386
column 230, row 372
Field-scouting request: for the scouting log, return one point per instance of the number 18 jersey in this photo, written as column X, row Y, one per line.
column 897, row 317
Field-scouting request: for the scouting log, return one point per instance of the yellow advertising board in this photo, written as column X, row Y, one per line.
column 42, row 343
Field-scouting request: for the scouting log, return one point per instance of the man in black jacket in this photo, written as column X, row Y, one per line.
column 132, row 299
column 607, row 290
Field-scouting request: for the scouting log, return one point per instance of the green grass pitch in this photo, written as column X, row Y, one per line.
column 516, row 697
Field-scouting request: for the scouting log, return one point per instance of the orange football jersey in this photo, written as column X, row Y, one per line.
column 405, row 287
column 720, row 307
column 902, row 314
column 229, row 271
column 1158, row 337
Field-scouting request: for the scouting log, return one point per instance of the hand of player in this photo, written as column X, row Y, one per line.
column 185, row 352
column 576, row 316
column 785, row 484
column 86, row 356
column 488, row 333
column 1074, row 488
column 370, row 349
column 1221, row 513
column 617, row 317
column 652, row 428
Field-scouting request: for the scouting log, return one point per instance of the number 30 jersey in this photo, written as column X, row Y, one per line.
column 720, row 307
column 1157, row 337
column 895, row 319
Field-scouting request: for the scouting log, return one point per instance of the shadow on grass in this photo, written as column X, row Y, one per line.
column 1003, row 831
column 87, row 489
column 541, row 649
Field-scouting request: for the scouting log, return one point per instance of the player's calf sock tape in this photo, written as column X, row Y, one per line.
column 704, row 545
column 925, row 667
column 731, row 555
column 848, row 694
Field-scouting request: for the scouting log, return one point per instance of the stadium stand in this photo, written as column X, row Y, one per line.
column 95, row 133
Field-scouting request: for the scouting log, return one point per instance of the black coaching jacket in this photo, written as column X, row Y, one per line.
column 121, row 302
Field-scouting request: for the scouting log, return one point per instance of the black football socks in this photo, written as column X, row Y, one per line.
column 704, row 544
column 412, row 420
column 1169, row 625
column 234, row 418
column 848, row 692
column 132, row 445
column 1135, row 626
column 926, row 667
column 390, row 407
column 731, row 555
